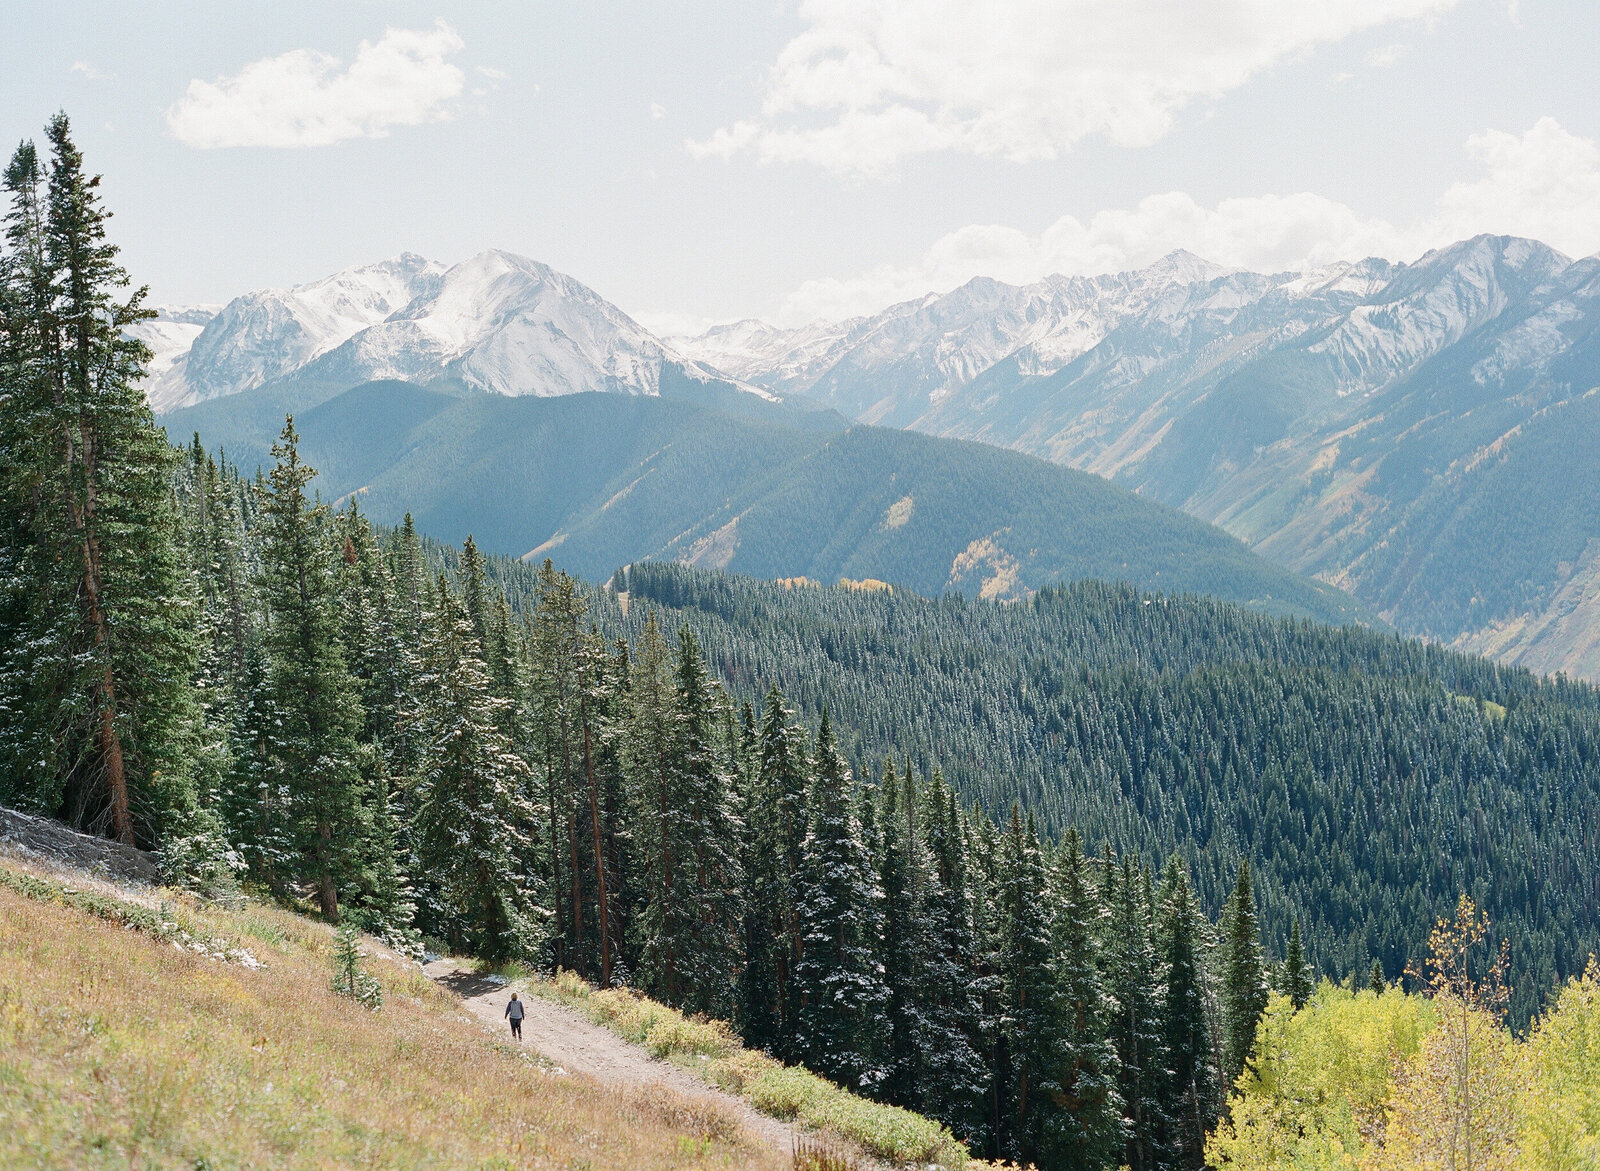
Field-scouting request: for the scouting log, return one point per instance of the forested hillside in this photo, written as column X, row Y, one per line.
column 1368, row 778
column 600, row 480
column 1002, row 864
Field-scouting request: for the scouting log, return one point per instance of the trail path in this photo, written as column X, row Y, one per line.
column 580, row 1046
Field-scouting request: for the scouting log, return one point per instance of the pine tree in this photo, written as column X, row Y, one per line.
column 558, row 733
column 467, row 794
column 1135, row 1026
column 1090, row 1129
column 783, row 781
column 314, row 715
column 100, row 722
column 1191, row 1099
column 1244, row 984
column 766, row 894
column 714, row 830
column 1296, row 974
column 956, row 1082
column 841, row 995
column 905, row 945
column 665, row 926
column 1033, row 1050
column 1376, row 981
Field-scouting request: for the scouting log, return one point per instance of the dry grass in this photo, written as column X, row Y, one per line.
column 119, row 1050
column 812, row 1154
column 712, row 1050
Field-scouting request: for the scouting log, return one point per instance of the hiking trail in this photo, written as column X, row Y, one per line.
column 579, row 1046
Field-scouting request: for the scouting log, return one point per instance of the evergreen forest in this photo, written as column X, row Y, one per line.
column 1042, row 872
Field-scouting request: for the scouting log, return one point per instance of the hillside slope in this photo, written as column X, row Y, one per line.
column 1415, row 433
column 1367, row 778
column 120, row 1049
column 595, row 481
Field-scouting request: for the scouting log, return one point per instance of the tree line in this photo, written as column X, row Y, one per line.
column 456, row 752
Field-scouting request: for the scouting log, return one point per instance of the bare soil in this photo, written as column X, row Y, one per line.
column 579, row 1046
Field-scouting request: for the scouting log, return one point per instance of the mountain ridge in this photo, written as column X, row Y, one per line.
column 599, row 480
column 1341, row 421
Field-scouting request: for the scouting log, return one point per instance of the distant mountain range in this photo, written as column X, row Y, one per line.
column 1425, row 435
column 497, row 323
column 1422, row 435
column 597, row 481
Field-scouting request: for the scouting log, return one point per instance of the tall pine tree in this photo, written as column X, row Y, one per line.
column 99, row 720
column 1244, row 983
column 839, row 1021
column 314, row 712
column 467, row 794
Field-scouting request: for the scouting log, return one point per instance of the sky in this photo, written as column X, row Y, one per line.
column 705, row 162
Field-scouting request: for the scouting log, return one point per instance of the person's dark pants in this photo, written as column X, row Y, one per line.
column 516, row 1027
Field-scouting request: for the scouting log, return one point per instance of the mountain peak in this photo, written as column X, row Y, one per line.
column 1180, row 266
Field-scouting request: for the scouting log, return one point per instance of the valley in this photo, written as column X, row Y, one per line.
column 1416, row 435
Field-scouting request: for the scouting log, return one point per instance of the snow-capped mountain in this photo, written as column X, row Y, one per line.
column 271, row 333
column 169, row 335
column 497, row 323
column 1384, row 426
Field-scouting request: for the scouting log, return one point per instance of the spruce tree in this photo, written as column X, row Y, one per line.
column 840, row 985
column 314, row 714
column 783, row 781
column 98, row 722
column 714, row 829
column 1191, row 1100
column 1090, row 1129
column 558, row 734
column 1296, row 974
column 1244, row 984
column 904, row 947
column 956, row 1083
column 1376, row 981
column 775, row 820
column 1134, row 1024
column 665, row 926
column 1033, row 1049
column 467, row 794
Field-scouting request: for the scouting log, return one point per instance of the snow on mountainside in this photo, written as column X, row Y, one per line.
column 508, row 325
column 1421, row 434
column 271, row 333
column 170, row 334
column 496, row 323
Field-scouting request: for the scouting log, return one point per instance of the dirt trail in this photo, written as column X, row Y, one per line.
column 580, row 1046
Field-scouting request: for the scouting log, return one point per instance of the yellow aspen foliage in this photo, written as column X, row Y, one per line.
column 1455, row 1102
column 1313, row 1100
column 1560, row 1106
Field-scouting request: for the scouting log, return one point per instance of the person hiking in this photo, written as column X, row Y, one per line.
column 514, row 1013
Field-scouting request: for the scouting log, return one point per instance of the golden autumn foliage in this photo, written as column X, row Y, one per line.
column 1362, row 1081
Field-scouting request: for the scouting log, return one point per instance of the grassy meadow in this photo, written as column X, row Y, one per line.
column 121, row 1045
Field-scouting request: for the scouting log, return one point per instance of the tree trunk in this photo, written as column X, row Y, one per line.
column 327, row 894
column 112, row 764
column 599, row 854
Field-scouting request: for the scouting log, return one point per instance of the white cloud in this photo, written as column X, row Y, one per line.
column 871, row 82
column 657, row 111
column 492, row 73
column 1544, row 183
column 1387, row 55
column 307, row 98
column 87, row 70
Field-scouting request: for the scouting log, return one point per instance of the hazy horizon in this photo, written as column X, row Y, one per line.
column 816, row 160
